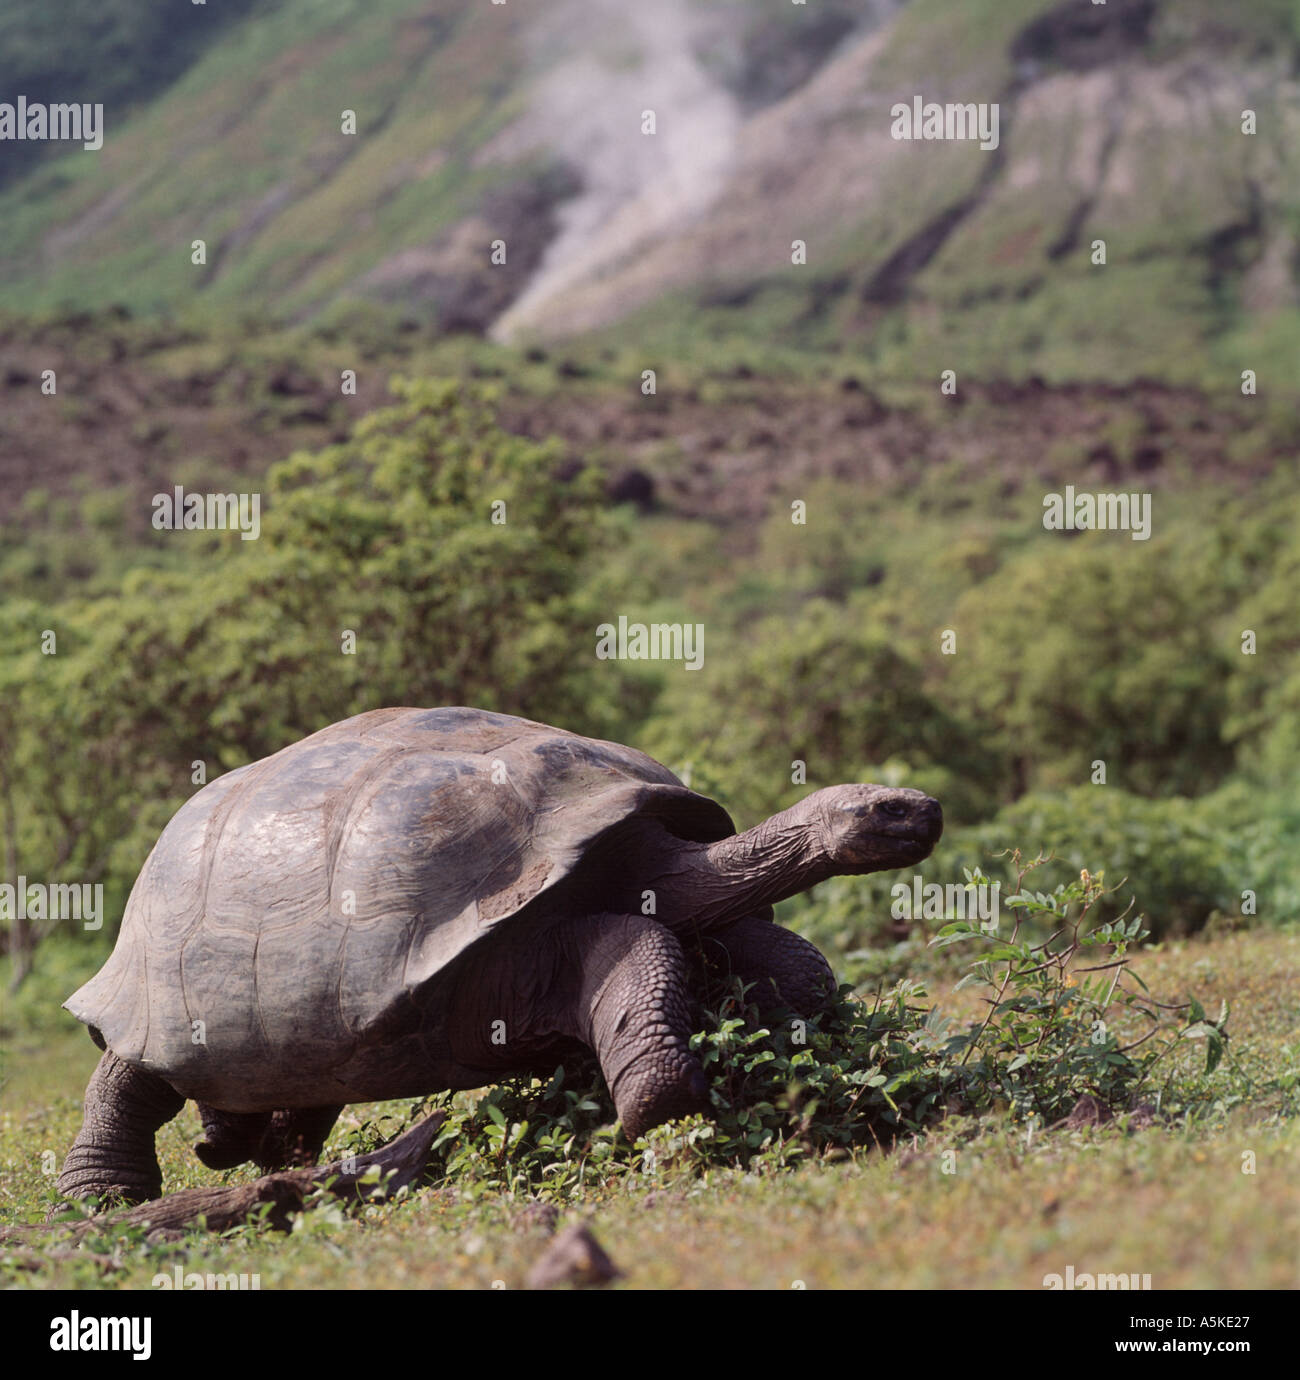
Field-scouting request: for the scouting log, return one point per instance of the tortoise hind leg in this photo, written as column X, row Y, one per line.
column 786, row 970
column 230, row 1138
column 113, row 1156
column 295, row 1136
column 282, row 1139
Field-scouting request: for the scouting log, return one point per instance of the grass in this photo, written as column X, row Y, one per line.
column 977, row 1203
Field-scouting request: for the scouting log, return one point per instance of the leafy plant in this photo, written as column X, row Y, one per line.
column 1052, row 1033
column 1175, row 851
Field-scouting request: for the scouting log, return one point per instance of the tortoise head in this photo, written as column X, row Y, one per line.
column 867, row 828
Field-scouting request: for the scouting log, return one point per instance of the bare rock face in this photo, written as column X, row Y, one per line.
column 573, row 1257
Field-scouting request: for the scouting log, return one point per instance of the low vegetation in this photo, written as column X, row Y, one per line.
column 1189, row 1183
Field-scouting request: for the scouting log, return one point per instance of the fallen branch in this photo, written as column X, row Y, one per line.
column 279, row 1196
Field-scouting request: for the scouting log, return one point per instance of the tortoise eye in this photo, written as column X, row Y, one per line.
column 892, row 808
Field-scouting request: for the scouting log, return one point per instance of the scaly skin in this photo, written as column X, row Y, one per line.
column 295, row 1137
column 786, row 970
column 229, row 1138
column 634, row 1013
column 283, row 1139
column 840, row 831
column 113, row 1155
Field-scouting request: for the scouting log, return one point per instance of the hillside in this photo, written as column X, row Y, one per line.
column 480, row 122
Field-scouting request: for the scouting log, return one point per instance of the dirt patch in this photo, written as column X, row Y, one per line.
column 732, row 462
column 124, row 417
column 127, row 414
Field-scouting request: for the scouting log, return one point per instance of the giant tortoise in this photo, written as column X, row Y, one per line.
column 415, row 900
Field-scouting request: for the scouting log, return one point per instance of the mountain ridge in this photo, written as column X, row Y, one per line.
column 484, row 124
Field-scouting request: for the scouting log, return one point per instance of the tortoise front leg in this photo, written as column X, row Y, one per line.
column 786, row 970
column 113, row 1156
column 632, row 1010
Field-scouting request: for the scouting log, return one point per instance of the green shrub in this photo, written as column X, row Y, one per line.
column 833, row 692
column 1162, row 850
column 1178, row 855
column 1106, row 650
column 1260, row 832
column 1264, row 692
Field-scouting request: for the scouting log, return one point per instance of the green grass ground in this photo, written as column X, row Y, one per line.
column 974, row 1205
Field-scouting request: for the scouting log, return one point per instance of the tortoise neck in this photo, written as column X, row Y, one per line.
column 708, row 885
